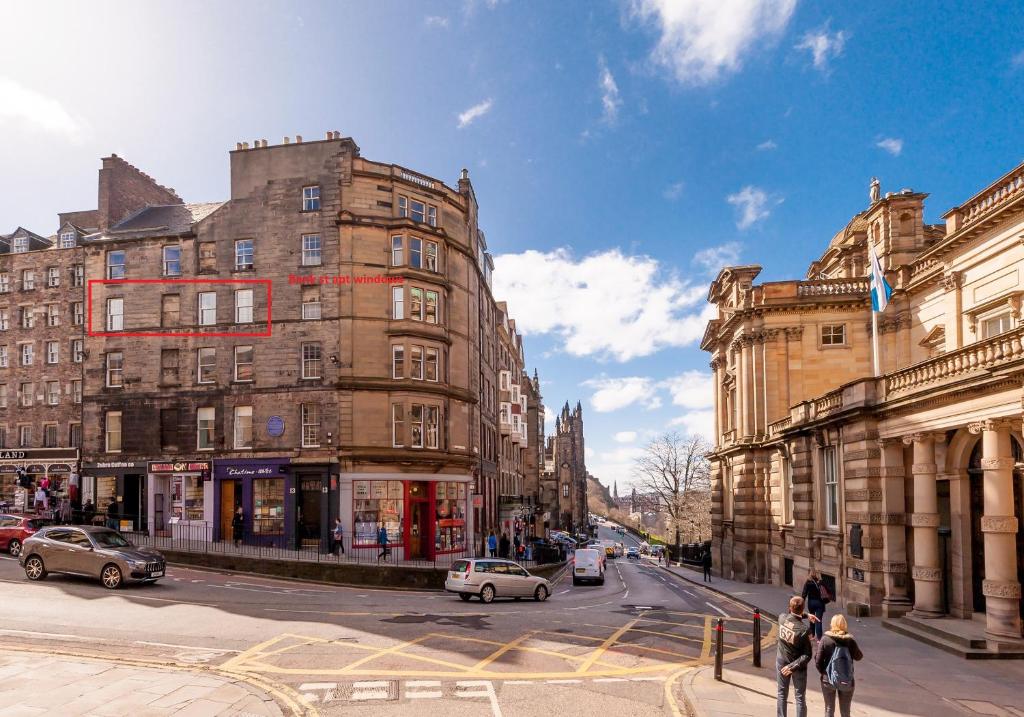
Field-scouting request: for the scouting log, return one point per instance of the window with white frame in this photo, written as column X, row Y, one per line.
column 565, row 490
column 79, row 276
column 311, row 364
column 206, row 366
column 20, row 245
column 432, row 215
column 397, row 361
column 75, row 435
column 244, row 254
column 52, row 277
column 27, row 393
column 243, row 306
column 416, row 425
column 243, row 426
column 28, row 352
column 5, row 319
column 416, row 303
column 788, row 499
column 3, row 395
column 28, row 317
column 996, row 325
column 311, row 309
column 4, row 358
column 415, row 253
column 416, row 362
column 397, row 425
column 24, row 436
column 115, row 264
column 5, row 283
column 244, row 362
column 52, row 352
column 67, row 239
column 52, row 393
column 115, row 369
column 76, row 391
column 396, row 251
column 50, row 435
column 78, row 313
column 28, row 279
column 830, row 474
column 53, row 314
column 205, row 418
column 172, row 260
column 431, row 308
column 397, row 302
column 505, row 377
column 112, row 432
column 433, row 431
column 310, row 418
column 311, row 198
column 77, row 350
column 311, row 250
column 833, row 335
column 115, row 314
column 431, row 364
column 207, row 308
column 430, row 256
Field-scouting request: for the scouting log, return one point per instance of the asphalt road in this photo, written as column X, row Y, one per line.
column 322, row 649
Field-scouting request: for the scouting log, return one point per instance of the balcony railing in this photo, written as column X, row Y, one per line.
column 416, row 179
column 828, row 403
column 833, row 287
column 778, row 427
column 980, row 356
column 1008, row 189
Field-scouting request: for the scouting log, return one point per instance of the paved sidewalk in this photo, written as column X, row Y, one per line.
column 897, row 677
column 40, row 684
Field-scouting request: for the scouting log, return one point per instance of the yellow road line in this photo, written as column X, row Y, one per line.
column 670, row 697
column 502, row 650
column 705, row 651
column 522, row 648
column 248, row 654
column 482, row 675
column 603, row 647
column 394, row 649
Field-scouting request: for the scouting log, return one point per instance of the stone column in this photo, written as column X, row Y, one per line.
column 925, row 521
column 1001, row 588
column 894, row 543
column 746, row 382
column 719, row 425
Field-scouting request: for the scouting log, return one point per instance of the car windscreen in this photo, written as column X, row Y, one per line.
column 109, row 539
column 460, row 566
column 36, row 524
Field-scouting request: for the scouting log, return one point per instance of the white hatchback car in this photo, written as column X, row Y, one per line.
column 588, row 564
column 488, row 578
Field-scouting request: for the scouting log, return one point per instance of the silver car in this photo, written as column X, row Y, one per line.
column 488, row 578
column 92, row 551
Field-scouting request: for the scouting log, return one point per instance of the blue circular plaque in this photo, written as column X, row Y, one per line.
column 275, row 426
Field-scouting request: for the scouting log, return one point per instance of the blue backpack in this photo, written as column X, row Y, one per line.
column 839, row 672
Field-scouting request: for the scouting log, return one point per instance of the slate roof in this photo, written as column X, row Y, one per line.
column 164, row 219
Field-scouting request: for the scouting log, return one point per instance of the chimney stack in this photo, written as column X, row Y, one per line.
column 298, row 139
column 287, row 141
column 238, row 145
column 330, row 134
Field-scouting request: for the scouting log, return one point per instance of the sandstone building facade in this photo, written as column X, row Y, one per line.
column 904, row 490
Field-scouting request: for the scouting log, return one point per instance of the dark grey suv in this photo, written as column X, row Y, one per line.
column 91, row 551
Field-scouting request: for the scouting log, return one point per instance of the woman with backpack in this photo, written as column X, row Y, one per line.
column 837, row 651
column 816, row 596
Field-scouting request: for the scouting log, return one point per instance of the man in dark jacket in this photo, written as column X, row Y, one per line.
column 794, row 654
column 705, row 560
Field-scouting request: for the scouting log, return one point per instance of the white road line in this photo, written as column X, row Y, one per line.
column 563, row 682
column 719, row 610
column 488, row 692
column 647, row 679
column 610, row 679
column 626, row 595
column 46, row 634
column 376, row 690
column 563, row 592
column 518, row 682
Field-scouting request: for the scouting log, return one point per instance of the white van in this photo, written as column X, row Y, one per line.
column 588, row 565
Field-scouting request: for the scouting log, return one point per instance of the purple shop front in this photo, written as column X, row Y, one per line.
column 265, row 492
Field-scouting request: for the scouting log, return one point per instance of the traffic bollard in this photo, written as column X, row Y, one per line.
column 757, row 637
column 719, row 637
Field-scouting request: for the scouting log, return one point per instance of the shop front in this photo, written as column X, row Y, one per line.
column 425, row 517
column 53, row 468
column 181, row 499
column 121, row 483
column 261, row 488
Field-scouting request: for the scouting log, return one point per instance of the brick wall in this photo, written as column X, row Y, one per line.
column 124, row 189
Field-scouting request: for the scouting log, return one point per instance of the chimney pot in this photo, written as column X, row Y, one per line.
column 330, row 135
column 287, row 141
column 465, row 173
column 238, row 145
column 298, row 139
column 245, row 145
column 264, row 143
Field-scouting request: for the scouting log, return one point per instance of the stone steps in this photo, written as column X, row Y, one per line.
column 932, row 632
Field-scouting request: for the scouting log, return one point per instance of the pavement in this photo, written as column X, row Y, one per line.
column 33, row 683
column 898, row 675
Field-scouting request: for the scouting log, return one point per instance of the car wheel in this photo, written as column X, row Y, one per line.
column 540, row 594
column 14, row 548
column 34, row 568
column 111, row 577
column 465, row 597
column 487, row 594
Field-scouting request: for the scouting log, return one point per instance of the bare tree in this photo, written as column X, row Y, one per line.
column 676, row 472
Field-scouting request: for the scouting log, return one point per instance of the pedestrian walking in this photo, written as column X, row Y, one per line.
column 515, row 545
column 794, row 654
column 40, row 499
column 382, row 540
column 88, row 512
column 705, row 560
column 503, row 546
column 492, row 544
column 112, row 514
column 339, row 538
column 837, row 652
column 816, row 596
column 238, row 526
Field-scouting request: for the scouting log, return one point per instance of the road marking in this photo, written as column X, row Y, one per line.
column 717, row 609
column 420, row 693
column 46, row 634
column 563, row 682
column 512, row 644
column 518, row 682
column 389, row 651
column 563, row 592
column 460, row 691
column 308, row 691
column 647, row 679
column 603, row 647
column 373, row 690
column 610, row 679
column 705, row 650
column 184, row 647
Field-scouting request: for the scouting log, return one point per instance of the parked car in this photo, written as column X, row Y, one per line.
column 15, row 529
column 563, row 539
column 632, row 553
column 92, row 551
column 588, row 565
column 488, row 578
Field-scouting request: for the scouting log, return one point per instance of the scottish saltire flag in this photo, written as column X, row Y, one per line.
column 880, row 289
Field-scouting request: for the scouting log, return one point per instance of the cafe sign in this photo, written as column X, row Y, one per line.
column 180, row 467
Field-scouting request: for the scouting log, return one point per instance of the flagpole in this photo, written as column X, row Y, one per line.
column 874, row 341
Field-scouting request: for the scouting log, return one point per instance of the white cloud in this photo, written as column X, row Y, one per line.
column 823, row 46
column 475, row 112
column 700, row 423
column 611, row 394
column 607, row 304
column 24, row 108
column 610, row 100
column 767, row 145
column 701, row 40
column 625, row 436
column 892, row 145
column 753, row 205
column 436, row 21
column 673, row 191
column 714, row 258
column 691, row 389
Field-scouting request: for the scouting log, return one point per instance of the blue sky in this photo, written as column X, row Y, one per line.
column 621, row 151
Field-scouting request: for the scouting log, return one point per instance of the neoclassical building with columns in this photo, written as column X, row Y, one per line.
column 904, row 490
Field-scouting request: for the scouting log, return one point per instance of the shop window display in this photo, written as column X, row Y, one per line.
column 268, row 506
column 186, row 498
column 450, row 530
column 374, row 503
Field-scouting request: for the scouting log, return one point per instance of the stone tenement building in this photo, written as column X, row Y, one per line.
column 903, row 490
column 564, row 481
column 321, row 344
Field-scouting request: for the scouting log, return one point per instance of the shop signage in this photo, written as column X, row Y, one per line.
column 113, row 464
column 275, row 426
column 40, row 454
column 395, row 490
column 180, row 467
column 478, row 500
column 361, row 489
